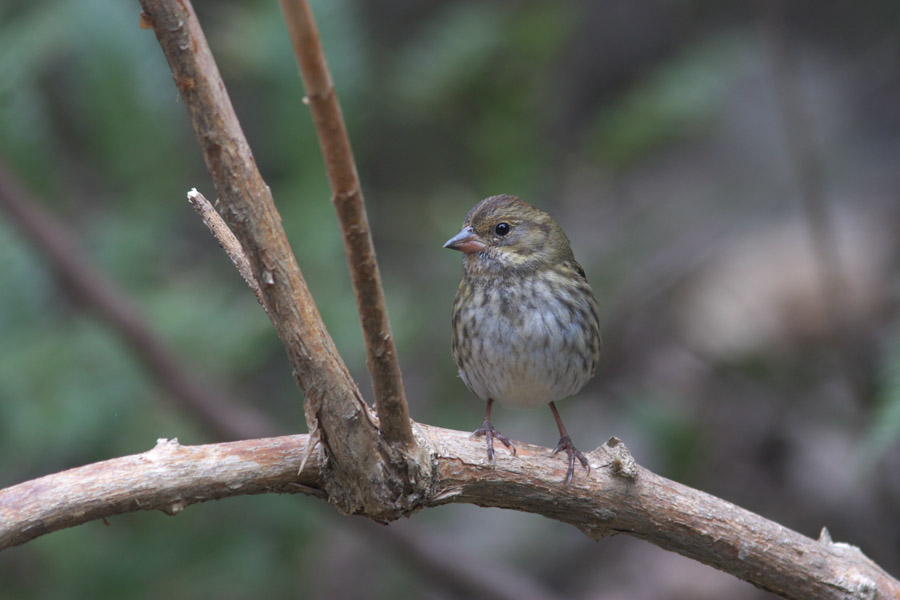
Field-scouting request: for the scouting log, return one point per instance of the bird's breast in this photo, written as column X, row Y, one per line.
column 523, row 341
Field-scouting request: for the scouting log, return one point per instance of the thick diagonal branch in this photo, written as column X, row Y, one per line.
column 390, row 401
column 364, row 474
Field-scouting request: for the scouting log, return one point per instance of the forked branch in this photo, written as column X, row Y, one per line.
column 390, row 400
column 363, row 471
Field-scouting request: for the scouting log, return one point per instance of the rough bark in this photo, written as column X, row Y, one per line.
column 618, row 497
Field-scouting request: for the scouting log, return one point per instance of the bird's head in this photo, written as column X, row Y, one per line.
column 505, row 233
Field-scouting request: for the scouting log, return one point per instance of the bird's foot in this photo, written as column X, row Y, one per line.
column 489, row 433
column 565, row 443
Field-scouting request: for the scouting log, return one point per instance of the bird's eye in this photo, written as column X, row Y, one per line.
column 501, row 229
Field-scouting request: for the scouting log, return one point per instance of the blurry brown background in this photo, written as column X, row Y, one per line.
column 727, row 173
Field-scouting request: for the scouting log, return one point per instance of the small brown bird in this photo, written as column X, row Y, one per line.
column 526, row 330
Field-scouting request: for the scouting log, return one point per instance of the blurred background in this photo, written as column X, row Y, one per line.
column 727, row 173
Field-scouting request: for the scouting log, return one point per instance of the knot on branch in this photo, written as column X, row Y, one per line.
column 394, row 483
column 366, row 475
column 621, row 461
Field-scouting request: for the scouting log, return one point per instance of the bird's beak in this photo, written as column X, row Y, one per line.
column 466, row 241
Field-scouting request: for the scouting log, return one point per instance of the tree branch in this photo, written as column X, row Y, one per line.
column 210, row 405
column 220, row 414
column 618, row 497
column 230, row 244
column 390, row 400
column 364, row 473
column 167, row 478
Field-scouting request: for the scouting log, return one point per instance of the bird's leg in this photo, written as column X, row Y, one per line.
column 489, row 433
column 565, row 443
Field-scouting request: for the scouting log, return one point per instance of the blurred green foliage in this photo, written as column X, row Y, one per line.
column 673, row 103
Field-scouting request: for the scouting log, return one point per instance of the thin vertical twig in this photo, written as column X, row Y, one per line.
column 390, row 400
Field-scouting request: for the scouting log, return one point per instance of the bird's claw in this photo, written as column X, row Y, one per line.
column 489, row 433
column 565, row 443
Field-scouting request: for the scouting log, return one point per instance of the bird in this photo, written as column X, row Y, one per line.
column 525, row 322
